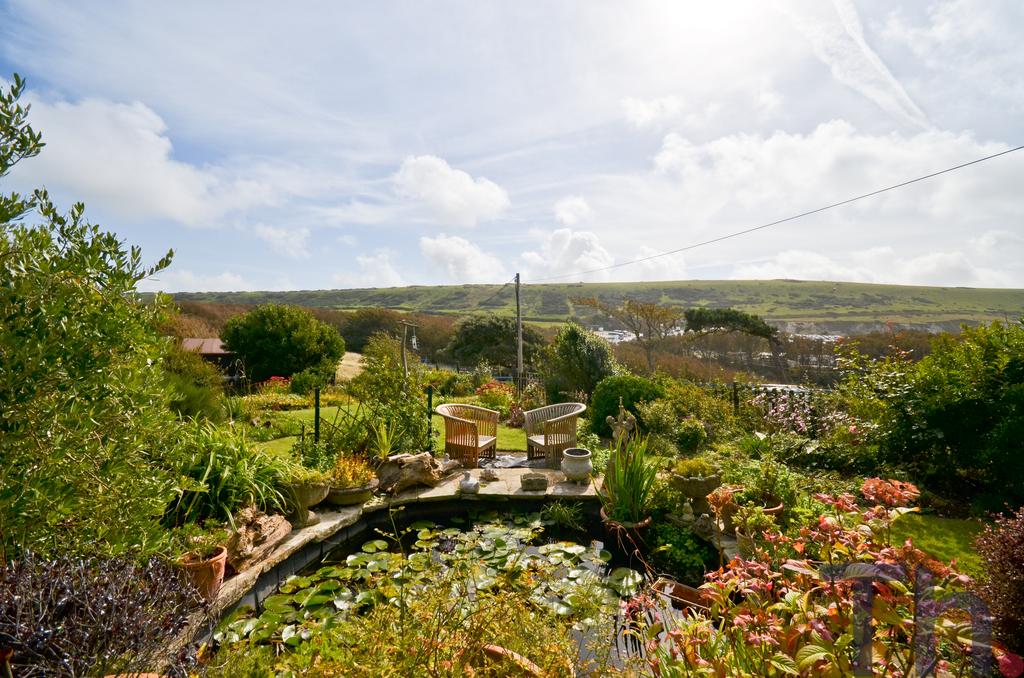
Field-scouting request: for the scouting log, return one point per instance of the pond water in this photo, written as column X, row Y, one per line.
column 567, row 571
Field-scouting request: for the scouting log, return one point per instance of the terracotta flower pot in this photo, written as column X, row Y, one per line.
column 350, row 496
column 206, row 575
column 622, row 524
column 774, row 510
column 681, row 595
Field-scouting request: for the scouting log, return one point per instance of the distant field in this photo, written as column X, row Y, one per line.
column 796, row 304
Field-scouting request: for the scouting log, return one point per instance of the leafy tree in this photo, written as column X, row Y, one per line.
column 651, row 323
column 630, row 389
column 279, row 340
column 492, row 339
column 387, row 398
column 575, row 363
column 363, row 323
column 706, row 320
column 84, row 426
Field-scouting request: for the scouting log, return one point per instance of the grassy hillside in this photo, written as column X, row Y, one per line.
column 797, row 304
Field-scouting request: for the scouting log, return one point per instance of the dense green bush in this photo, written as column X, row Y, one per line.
column 84, row 427
column 385, row 397
column 450, row 384
column 280, row 340
column 1001, row 547
column 195, row 387
column 575, row 363
column 678, row 552
column 713, row 411
column 631, row 389
column 955, row 420
column 223, row 475
column 306, row 381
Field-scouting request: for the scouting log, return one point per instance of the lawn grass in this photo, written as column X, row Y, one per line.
column 509, row 439
column 944, row 539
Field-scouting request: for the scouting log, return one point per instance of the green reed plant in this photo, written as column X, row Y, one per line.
column 629, row 482
column 221, row 473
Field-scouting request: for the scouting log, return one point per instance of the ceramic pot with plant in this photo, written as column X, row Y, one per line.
column 352, row 482
column 576, row 464
column 628, row 490
column 772, row 486
column 204, row 560
column 751, row 524
column 696, row 478
column 303, row 488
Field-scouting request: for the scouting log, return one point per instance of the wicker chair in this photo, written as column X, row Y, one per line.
column 470, row 432
column 550, row 430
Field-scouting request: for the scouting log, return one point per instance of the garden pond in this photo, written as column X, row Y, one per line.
column 552, row 562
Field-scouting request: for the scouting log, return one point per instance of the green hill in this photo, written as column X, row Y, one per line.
column 796, row 305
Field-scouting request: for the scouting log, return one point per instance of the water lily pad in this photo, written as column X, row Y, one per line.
column 375, row 545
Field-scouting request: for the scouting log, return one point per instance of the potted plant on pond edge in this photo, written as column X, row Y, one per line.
column 304, row 487
column 204, row 559
column 352, row 482
column 627, row 492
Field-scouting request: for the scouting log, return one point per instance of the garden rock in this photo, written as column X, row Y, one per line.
column 534, row 482
column 402, row 471
column 256, row 536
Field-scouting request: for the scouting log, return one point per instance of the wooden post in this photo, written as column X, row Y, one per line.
column 430, row 418
column 316, row 414
column 735, row 398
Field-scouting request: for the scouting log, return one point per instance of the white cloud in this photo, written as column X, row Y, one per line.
column 375, row 270
column 643, row 113
column 348, row 240
column 572, row 209
column 290, row 242
column 565, row 251
column 184, row 280
column 456, row 198
column 836, row 35
column 461, row 261
column 119, row 157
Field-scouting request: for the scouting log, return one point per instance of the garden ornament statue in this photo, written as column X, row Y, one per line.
column 469, row 484
column 622, row 425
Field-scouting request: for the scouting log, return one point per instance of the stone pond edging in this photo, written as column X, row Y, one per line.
column 310, row 544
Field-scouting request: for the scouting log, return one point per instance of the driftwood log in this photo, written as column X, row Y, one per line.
column 257, row 533
column 402, row 471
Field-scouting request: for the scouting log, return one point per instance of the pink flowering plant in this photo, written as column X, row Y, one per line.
column 836, row 598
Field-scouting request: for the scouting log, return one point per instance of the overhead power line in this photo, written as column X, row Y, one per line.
column 779, row 221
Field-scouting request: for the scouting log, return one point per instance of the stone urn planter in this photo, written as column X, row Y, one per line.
column 206, row 574
column 577, row 465
column 697, row 489
column 350, row 496
column 304, row 495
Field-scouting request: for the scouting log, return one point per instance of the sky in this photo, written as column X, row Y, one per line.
column 321, row 145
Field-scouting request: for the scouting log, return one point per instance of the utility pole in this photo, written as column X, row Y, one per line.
column 405, row 334
column 519, row 342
